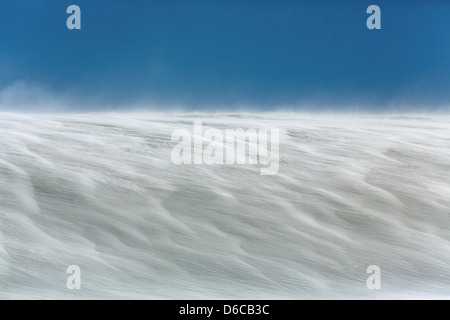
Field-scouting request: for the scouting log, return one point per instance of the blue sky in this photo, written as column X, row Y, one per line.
column 225, row 54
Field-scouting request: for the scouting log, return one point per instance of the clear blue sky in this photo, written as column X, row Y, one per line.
column 226, row 54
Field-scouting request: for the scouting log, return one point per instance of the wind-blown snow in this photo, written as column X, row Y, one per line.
column 100, row 191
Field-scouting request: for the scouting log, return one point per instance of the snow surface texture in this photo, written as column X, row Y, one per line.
column 100, row 191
